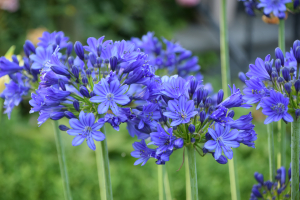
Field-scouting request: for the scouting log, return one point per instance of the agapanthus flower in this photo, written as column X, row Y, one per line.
column 162, row 139
column 142, row 152
column 222, row 140
column 7, row 67
column 276, row 107
column 41, row 57
column 275, row 7
column 53, row 39
column 259, row 70
column 180, row 111
column 109, row 95
column 85, row 128
column 254, row 91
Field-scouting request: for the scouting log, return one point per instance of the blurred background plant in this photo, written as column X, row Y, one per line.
column 29, row 165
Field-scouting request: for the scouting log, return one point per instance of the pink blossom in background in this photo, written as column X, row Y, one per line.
column 188, row 3
column 9, row 5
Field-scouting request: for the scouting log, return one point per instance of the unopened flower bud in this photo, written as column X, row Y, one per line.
column 78, row 48
column 63, row 127
column 191, row 128
column 220, row 96
column 178, row 143
column 279, row 55
column 242, row 77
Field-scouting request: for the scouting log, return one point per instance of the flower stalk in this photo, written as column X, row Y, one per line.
column 270, row 130
column 281, row 125
column 62, row 161
column 192, row 172
column 161, row 185
column 103, row 169
column 295, row 157
column 225, row 71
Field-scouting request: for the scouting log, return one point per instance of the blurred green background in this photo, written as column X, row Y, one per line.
column 28, row 161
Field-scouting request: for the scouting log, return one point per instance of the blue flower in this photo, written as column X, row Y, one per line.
column 247, row 138
column 149, row 115
column 174, row 87
column 258, row 70
column 7, row 67
column 223, row 139
column 13, row 94
column 276, row 6
column 164, row 141
column 109, row 95
column 142, row 152
column 234, row 100
column 41, row 57
column 94, row 45
column 180, row 111
column 254, row 91
column 276, row 107
column 243, row 123
column 53, row 39
column 85, row 128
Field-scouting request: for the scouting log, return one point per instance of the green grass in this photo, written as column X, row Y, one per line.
column 29, row 166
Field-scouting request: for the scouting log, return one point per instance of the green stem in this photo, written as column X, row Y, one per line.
column 187, row 179
column 271, row 151
column 281, row 143
column 295, row 158
column 192, row 172
column 161, row 185
column 281, row 36
column 62, row 161
column 224, row 49
column 225, row 70
column 167, row 185
column 103, row 169
column 1, row 108
column 234, row 187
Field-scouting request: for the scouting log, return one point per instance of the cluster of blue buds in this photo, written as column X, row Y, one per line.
column 174, row 58
column 268, row 7
column 274, row 85
column 278, row 189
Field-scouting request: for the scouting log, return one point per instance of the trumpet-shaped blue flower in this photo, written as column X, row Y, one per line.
column 85, row 128
column 243, row 123
column 275, row 6
column 164, row 141
column 142, row 152
column 109, row 95
column 7, row 67
column 254, row 91
column 149, row 115
column 258, row 70
column 53, row 39
column 276, row 107
column 174, row 87
column 96, row 45
column 180, row 111
column 41, row 57
column 223, row 140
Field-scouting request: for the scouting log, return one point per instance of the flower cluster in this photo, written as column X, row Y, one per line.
column 274, row 85
column 279, row 189
column 268, row 7
column 117, row 82
column 188, row 115
column 174, row 58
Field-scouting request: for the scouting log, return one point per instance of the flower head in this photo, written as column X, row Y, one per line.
column 85, row 128
column 275, row 6
column 276, row 107
column 109, row 95
column 180, row 111
column 222, row 140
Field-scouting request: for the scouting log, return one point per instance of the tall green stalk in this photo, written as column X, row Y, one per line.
column 225, row 70
column 281, row 125
column 103, row 169
column 271, row 151
column 295, row 158
column 187, row 179
column 192, row 172
column 161, row 185
column 167, row 185
column 62, row 161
